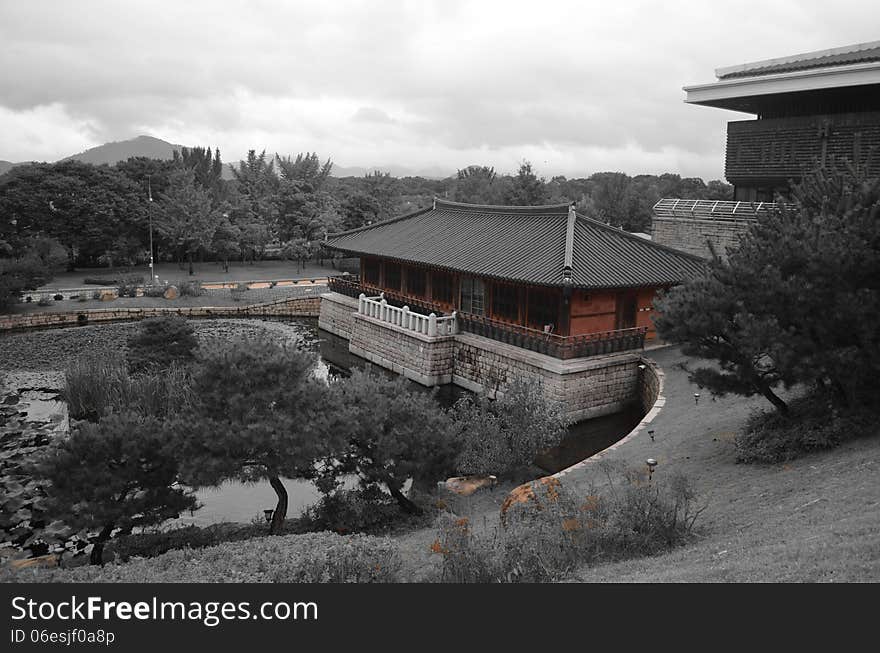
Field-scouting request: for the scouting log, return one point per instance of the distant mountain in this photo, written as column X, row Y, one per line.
column 156, row 148
column 113, row 153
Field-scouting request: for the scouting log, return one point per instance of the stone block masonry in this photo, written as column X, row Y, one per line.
column 425, row 359
column 584, row 387
column 691, row 236
column 296, row 307
column 337, row 314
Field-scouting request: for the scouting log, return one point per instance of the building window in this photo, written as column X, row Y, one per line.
column 505, row 302
column 371, row 271
column 416, row 281
column 473, row 294
column 392, row 275
column 543, row 308
column 441, row 287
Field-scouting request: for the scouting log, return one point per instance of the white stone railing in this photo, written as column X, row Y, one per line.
column 430, row 325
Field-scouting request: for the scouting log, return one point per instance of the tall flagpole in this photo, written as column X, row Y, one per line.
column 150, row 216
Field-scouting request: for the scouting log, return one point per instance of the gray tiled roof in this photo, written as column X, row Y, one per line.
column 524, row 244
column 859, row 54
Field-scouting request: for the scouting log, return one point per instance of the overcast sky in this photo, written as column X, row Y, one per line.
column 575, row 87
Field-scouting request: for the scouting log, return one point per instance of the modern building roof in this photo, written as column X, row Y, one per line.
column 846, row 55
column 526, row 244
column 741, row 87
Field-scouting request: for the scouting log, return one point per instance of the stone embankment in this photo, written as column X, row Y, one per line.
column 292, row 307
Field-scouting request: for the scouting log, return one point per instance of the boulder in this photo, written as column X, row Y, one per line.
column 467, row 485
column 171, row 292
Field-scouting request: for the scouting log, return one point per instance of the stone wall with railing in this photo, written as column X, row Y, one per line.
column 434, row 352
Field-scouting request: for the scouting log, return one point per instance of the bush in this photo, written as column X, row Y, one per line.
column 95, row 385
column 155, row 290
column 150, row 545
column 128, row 279
column 813, row 424
column 90, row 382
column 504, row 435
column 159, row 342
column 44, row 301
column 190, row 288
column 543, row 541
column 238, row 292
column 58, row 297
column 128, row 285
column 96, row 294
column 81, row 298
column 351, row 511
column 307, row 558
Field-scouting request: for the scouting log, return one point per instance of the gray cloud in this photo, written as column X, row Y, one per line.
column 581, row 86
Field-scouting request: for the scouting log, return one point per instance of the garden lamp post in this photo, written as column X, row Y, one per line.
column 651, row 463
column 150, row 219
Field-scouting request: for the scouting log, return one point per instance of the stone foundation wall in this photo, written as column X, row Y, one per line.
column 426, row 360
column 337, row 314
column 297, row 307
column 691, row 235
column 586, row 387
column 650, row 384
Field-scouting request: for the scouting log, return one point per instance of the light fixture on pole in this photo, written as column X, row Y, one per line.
column 268, row 514
column 651, row 463
column 150, row 218
column 696, row 398
column 651, row 433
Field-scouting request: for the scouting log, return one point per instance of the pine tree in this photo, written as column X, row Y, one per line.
column 120, row 473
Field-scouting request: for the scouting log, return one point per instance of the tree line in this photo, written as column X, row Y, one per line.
column 70, row 214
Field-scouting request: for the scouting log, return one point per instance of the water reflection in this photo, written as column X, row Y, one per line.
column 239, row 502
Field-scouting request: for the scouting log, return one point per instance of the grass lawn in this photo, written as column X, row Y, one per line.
column 203, row 272
column 816, row 518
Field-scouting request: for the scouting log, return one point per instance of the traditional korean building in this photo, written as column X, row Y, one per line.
column 480, row 295
column 808, row 109
column 545, row 269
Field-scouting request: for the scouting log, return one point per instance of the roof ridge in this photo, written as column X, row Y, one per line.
column 634, row 238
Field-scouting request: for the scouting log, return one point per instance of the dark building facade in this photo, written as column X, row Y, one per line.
column 808, row 108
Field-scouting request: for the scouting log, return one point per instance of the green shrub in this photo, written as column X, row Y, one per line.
column 96, row 294
column 504, row 435
column 190, row 288
column 239, row 291
column 159, row 342
column 812, row 424
column 58, row 297
column 155, row 290
column 366, row 510
column 128, row 279
column 152, row 544
column 543, row 541
column 44, row 301
column 307, row 558
column 128, row 285
column 95, row 385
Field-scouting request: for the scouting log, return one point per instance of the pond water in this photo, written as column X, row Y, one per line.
column 238, row 502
